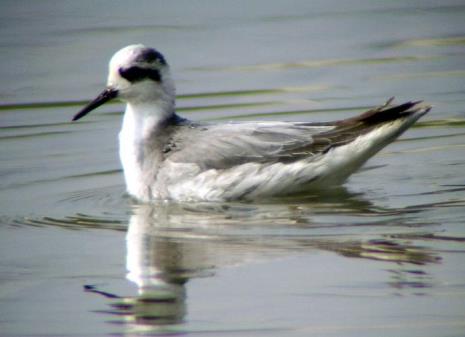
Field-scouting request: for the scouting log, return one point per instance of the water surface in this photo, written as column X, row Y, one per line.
column 381, row 255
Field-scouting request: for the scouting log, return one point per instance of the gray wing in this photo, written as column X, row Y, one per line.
column 225, row 145
column 221, row 146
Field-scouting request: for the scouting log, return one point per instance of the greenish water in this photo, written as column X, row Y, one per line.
column 382, row 255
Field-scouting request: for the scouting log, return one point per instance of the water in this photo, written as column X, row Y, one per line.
column 380, row 256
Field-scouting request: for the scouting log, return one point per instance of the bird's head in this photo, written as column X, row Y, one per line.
column 137, row 75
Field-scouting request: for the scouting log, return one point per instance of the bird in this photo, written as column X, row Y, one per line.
column 168, row 157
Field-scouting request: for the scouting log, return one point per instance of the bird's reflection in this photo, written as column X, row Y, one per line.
column 160, row 267
column 168, row 244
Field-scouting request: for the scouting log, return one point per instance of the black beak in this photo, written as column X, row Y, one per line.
column 105, row 96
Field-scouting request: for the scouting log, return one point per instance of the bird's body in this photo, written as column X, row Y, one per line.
column 165, row 156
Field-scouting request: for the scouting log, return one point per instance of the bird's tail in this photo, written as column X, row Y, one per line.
column 386, row 113
column 355, row 140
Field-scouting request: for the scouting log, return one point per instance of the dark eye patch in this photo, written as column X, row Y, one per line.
column 150, row 55
column 135, row 74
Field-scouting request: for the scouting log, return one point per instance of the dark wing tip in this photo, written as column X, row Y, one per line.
column 387, row 112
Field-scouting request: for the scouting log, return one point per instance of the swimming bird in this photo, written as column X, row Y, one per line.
column 166, row 156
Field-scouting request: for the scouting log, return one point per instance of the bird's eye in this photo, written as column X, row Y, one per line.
column 136, row 74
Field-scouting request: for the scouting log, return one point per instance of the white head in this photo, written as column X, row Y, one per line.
column 137, row 75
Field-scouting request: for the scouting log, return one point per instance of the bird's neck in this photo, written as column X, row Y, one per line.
column 141, row 144
column 142, row 119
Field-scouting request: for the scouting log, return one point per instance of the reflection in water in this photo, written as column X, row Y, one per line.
column 168, row 244
column 160, row 267
column 384, row 250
